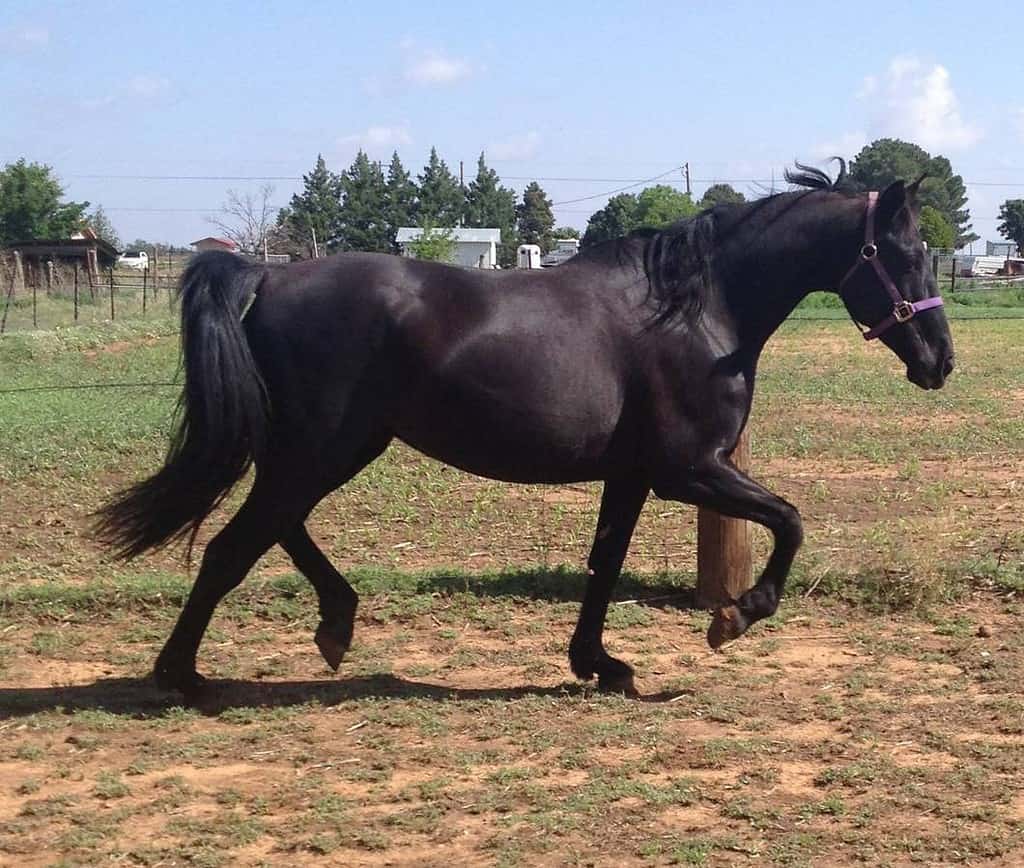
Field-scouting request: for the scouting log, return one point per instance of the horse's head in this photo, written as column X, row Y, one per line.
column 891, row 289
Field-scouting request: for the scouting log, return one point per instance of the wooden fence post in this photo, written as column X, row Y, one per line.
column 76, row 290
column 110, row 273
column 725, row 560
column 145, row 278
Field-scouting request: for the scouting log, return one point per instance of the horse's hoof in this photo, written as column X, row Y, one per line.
column 620, row 684
column 333, row 642
column 191, row 684
column 728, row 623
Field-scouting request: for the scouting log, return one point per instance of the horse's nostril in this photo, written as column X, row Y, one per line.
column 947, row 366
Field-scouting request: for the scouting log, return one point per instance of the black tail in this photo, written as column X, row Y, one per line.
column 222, row 415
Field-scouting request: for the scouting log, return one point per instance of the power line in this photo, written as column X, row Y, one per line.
column 555, row 178
column 617, row 190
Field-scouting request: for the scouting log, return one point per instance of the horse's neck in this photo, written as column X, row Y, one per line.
column 799, row 246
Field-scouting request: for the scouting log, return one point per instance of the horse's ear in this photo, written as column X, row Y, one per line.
column 912, row 190
column 892, row 206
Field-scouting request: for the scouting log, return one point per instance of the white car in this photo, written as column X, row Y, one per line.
column 134, row 259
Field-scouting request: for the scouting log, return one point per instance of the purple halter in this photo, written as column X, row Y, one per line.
column 903, row 310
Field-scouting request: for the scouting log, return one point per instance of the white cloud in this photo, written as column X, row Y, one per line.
column 25, row 37
column 434, row 68
column 916, row 102
column 146, row 85
column 523, row 147
column 377, row 138
column 141, row 85
column 846, row 146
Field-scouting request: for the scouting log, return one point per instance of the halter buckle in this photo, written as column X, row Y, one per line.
column 869, row 251
column 903, row 311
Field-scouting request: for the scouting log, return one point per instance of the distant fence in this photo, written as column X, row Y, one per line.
column 70, row 294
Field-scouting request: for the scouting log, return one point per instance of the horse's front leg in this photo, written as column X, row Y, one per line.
column 621, row 503
column 718, row 485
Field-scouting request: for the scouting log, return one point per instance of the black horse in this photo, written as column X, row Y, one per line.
column 633, row 363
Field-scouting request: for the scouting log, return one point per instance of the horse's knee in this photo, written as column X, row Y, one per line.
column 790, row 531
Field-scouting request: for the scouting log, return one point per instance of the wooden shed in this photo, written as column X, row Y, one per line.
column 86, row 249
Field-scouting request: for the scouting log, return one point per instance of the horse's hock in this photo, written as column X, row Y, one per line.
column 725, row 565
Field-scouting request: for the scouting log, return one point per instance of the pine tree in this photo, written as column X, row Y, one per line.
column 317, row 209
column 535, row 218
column 363, row 215
column 491, row 206
column 400, row 198
column 441, row 198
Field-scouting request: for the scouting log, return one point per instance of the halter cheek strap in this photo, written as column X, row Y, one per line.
column 903, row 309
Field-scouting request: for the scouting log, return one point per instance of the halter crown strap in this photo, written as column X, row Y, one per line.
column 903, row 309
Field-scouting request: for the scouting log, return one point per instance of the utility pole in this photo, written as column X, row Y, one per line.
column 462, row 186
column 686, row 172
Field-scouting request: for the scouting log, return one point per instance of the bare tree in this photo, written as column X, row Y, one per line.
column 247, row 219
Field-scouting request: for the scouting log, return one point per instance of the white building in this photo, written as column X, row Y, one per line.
column 564, row 250
column 474, row 248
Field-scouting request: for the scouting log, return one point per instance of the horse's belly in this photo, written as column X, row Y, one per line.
column 548, row 443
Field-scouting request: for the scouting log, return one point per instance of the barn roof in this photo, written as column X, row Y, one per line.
column 54, row 246
column 458, row 233
column 225, row 242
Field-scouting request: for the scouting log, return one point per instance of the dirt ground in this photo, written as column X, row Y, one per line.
column 453, row 735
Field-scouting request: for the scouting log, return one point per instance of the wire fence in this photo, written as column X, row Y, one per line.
column 67, row 296
column 70, row 296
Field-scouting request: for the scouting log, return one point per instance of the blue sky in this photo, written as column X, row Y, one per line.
column 600, row 94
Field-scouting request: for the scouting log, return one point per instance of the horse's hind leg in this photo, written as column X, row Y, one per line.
column 338, row 600
column 269, row 510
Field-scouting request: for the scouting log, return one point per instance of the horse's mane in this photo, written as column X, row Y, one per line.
column 678, row 260
column 816, row 179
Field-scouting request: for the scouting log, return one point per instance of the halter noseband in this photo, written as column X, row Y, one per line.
column 903, row 309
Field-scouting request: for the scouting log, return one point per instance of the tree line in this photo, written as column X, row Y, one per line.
column 362, row 207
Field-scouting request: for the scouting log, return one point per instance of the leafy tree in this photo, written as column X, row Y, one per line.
column 363, row 214
column 491, row 206
column 400, row 198
column 888, row 160
column 935, row 229
column 101, row 225
column 721, row 194
column 442, row 200
column 31, row 206
column 434, row 244
column 566, row 232
column 661, row 205
column 317, row 209
column 616, row 219
column 534, row 217
column 1011, row 227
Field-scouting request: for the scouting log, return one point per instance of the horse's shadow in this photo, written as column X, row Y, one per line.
column 555, row 585
column 139, row 697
